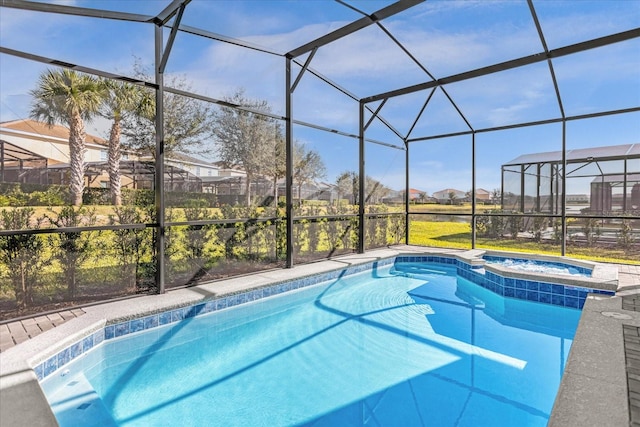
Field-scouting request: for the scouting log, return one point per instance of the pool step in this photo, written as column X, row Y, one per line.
column 77, row 403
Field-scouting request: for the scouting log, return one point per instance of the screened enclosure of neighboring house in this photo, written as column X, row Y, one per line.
column 533, row 182
column 217, row 138
column 20, row 165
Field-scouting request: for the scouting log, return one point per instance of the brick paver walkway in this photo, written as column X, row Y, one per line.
column 13, row 333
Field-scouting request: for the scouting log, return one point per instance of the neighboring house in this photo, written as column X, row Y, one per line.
column 50, row 142
column 50, row 145
column 417, row 195
column 226, row 170
column 33, row 152
column 483, row 196
column 198, row 167
column 445, row 196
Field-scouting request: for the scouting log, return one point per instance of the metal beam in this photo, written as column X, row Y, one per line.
column 415, row 122
column 51, row 61
column 328, row 81
column 289, row 165
column 355, row 26
column 534, row 15
column 159, row 165
column 219, row 37
column 76, row 11
column 304, row 68
column 270, row 115
column 172, row 37
column 174, row 7
column 361, row 180
column 349, row 94
column 444, row 91
column 375, row 114
column 514, row 63
column 407, row 217
column 527, row 124
column 474, row 216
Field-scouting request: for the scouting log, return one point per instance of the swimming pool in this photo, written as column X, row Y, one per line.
column 410, row 343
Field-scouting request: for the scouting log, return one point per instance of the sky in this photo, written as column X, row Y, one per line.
column 446, row 37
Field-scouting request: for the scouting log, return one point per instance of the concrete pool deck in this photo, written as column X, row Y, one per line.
column 593, row 391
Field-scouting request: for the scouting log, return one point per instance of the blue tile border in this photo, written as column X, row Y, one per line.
column 116, row 330
column 547, row 293
column 530, row 290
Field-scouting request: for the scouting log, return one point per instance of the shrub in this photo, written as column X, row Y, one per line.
column 72, row 248
column 22, row 254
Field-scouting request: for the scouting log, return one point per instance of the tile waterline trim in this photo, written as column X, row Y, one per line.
column 543, row 292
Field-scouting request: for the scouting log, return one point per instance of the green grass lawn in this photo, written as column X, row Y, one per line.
column 458, row 235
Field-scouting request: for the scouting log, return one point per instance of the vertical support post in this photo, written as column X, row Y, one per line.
column 361, row 189
column 406, row 194
column 538, row 172
column 289, row 164
column 501, row 188
column 522, row 187
column 159, row 165
column 552, row 195
column 1, row 161
column 563, row 199
column 473, row 190
column 624, row 188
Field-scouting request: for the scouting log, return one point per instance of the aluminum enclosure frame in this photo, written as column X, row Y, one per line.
column 170, row 17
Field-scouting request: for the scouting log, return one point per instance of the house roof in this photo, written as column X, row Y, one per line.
column 446, row 191
column 181, row 157
column 44, row 130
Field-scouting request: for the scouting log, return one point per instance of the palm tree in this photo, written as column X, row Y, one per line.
column 70, row 98
column 120, row 99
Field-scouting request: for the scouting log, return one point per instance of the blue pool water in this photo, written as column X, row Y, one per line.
column 404, row 345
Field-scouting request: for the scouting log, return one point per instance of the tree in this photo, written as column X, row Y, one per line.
column 21, row 254
column 452, row 197
column 120, row 99
column 307, row 166
column 375, row 190
column 276, row 167
column 72, row 248
column 244, row 138
column 495, row 196
column 186, row 120
column 348, row 184
column 69, row 98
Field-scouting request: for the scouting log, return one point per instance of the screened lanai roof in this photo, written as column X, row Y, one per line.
column 611, row 152
column 424, row 69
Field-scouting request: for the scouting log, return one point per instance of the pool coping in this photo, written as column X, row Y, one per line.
column 19, row 387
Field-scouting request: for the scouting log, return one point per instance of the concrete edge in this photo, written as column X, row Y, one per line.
column 594, row 389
